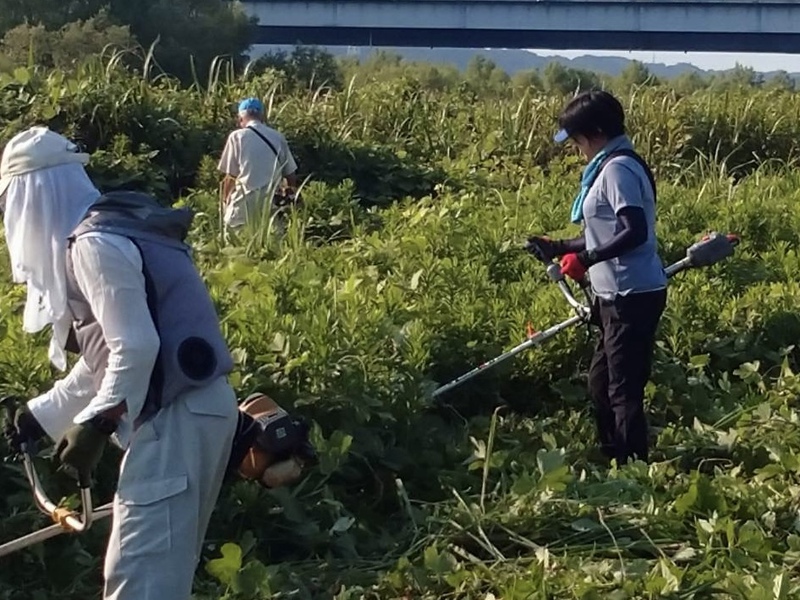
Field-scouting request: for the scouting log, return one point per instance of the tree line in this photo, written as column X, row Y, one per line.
column 313, row 68
column 188, row 35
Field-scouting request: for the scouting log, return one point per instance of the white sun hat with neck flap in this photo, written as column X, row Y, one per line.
column 34, row 149
column 44, row 193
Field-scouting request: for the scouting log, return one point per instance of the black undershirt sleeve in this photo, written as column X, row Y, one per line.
column 574, row 245
column 631, row 234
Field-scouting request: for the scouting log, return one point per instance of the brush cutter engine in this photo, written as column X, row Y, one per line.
column 270, row 446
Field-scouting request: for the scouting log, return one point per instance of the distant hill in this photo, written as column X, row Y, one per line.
column 512, row 61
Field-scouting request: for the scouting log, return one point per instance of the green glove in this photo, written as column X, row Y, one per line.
column 81, row 448
column 20, row 427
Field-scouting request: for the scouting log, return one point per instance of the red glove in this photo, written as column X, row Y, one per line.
column 572, row 267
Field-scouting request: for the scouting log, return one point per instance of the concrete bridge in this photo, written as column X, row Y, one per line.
column 654, row 25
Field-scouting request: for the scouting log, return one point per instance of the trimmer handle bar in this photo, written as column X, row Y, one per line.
column 713, row 248
column 64, row 519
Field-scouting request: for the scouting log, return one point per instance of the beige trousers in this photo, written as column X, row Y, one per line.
column 245, row 207
column 170, row 479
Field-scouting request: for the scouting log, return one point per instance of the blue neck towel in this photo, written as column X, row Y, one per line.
column 586, row 179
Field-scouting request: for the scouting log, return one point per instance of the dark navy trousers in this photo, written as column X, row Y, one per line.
column 620, row 369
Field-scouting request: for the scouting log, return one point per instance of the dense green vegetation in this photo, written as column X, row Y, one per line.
column 402, row 270
column 60, row 34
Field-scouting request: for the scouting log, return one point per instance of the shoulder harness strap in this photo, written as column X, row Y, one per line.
column 633, row 154
column 270, row 144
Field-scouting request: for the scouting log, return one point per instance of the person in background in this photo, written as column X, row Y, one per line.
column 618, row 247
column 255, row 160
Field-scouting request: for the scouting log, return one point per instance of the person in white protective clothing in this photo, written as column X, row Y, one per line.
column 164, row 400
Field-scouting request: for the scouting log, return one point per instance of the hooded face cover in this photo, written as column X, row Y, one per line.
column 42, row 208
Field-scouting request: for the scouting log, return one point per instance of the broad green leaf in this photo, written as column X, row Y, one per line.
column 226, row 567
column 253, row 581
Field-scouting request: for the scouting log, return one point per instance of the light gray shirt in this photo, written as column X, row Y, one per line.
column 108, row 269
column 622, row 182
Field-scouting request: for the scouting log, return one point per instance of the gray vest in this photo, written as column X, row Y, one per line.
column 193, row 352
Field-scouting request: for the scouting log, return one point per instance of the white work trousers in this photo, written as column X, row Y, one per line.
column 170, row 479
column 252, row 210
column 248, row 206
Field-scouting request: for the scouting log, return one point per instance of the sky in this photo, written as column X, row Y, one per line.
column 702, row 60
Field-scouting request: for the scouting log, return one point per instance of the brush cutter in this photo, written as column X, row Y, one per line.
column 64, row 519
column 712, row 249
column 275, row 456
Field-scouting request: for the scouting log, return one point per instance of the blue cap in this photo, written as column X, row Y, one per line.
column 251, row 104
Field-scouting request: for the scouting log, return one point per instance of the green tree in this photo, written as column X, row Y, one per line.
column 527, row 80
column 634, row 75
column 483, row 75
column 306, row 67
column 736, row 78
column 565, row 80
column 190, row 33
column 383, row 65
column 26, row 43
column 52, row 14
column 199, row 30
column 379, row 65
column 437, row 78
column 781, row 81
column 65, row 47
column 383, row 62
column 689, row 82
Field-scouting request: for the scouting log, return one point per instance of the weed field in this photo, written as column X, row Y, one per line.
column 403, row 270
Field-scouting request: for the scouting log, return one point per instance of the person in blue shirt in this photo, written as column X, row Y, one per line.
column 616, row 207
